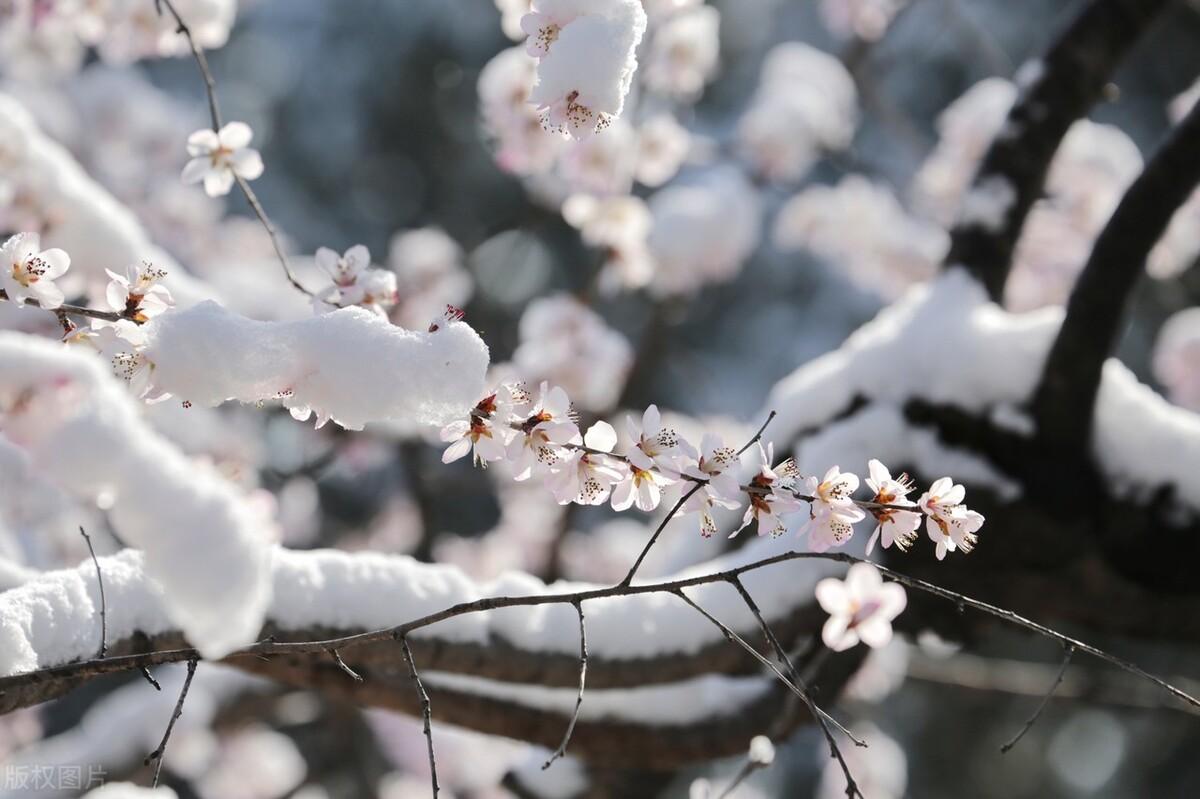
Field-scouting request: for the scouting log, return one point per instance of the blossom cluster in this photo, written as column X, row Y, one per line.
column 538, row 435
column 52, row 37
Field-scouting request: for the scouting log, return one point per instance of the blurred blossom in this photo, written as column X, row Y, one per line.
column 805, row 103
column 965, row 130
column 429, row 276
column 569, row 344
column 861, row 227
column 882, row 673
column 253, row 763
column 619, row 225
column 865, row 19
column 602, row 164
column 521, row 145
column 1176, row 360
column 1090, row 172
column 1087, row 750
column 469, row 763
column 663, row 146
column 880, row 769
column 511, row 12
column 683, row 53
column 703, row 231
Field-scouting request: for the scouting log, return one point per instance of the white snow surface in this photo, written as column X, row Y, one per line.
column 349, row 365
column 206, row 556
column 975, row 356
column 54, row 618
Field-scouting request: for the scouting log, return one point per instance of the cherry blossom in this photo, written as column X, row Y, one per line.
column 767, row 503
column 540, row 438
column 949, row 523
column 860, row 608
column 587, row 475
column 27, row 273
column 641, row 487
column 480, row 433
column 138, row 294
column 354, row 282
column 832, row 512
column 713, row 465
column 654, row 446
column 895, row 525
column 219, row 157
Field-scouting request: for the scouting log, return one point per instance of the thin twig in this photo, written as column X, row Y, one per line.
column 210, row 84
column 748, row 768
column 148, row 677
column 341, row 664
column 426, row 710
column 157, row 755
column 817, row 713
column 75, row 310
column 583, row 658
column 103, row 604
column 683, row 499
column 1062, row 672
column 210, row 90
column 737, row 639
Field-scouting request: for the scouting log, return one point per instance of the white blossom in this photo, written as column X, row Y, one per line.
column 28, row 272
column 521, row 144
column 587, row 475
column 860, row 608
column 1176, row 360
column 832, row 512
column 138, row 293
column 770, row 494
column 950, row 524
column 713, row 465
column 219, row 157
column 354, row 281
column 539, row 442
column 894, row 525
column 654, row 446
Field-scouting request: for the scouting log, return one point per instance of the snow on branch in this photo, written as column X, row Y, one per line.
column 984, row 360
column 202, row 542
column 350, row 365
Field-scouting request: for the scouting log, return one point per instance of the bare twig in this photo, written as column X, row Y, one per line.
column 210, row 84
column 583, row 658
column 817, row 713
column 210, row 90
column 76, row 310
column 103, row 604
column 148, row 677
column 426, row 710
column 156, row 756
column 341, row 664
column 748, row 768
column 1069, row 651
column 628, row 580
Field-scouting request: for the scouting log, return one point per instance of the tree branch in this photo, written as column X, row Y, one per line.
column 1072, row 76
column 1065, row 400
